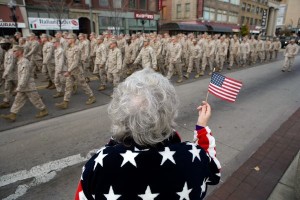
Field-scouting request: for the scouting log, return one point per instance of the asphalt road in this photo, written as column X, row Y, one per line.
column 43, row 160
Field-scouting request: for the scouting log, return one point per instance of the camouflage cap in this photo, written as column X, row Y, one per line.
column 17, row 33
column 93, row 33
column 72, row 36
column 44, row 35
column 81, row 34
column 31, row 34
column 194, row 40
column 4, row 41
column 100, row 37
column 17, row 48
column 65, row 33
column 146, row 40
column 113, row 41
column 54, row 40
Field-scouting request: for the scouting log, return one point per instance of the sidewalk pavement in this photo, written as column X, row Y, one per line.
column 261, row 176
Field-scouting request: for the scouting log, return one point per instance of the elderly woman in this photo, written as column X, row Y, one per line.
column 145, row 158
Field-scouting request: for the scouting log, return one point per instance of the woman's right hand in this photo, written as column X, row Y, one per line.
column 204, row 114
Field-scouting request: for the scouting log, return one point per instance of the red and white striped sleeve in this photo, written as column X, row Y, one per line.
column 203, row 137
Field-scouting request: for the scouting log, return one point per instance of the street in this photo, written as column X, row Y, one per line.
column 43, row 159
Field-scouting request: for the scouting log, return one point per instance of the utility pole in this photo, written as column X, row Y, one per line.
column 91, row 17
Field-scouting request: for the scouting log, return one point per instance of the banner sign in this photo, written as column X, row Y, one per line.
column 264, row 18
column 11, row 24
column 52, row 24
column 143, row 16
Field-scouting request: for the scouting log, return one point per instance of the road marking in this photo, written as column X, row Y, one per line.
column 41, row 173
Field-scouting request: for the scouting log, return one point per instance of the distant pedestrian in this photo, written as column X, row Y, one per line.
column 291, row 51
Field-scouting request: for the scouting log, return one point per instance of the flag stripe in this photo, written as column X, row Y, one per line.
column 232, row 94
column 224, row 94
column 235, row 81
column 231, row 85
column 231, row 89
column 222, row 97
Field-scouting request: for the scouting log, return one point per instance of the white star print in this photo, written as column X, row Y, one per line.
column 137, row 149
column 184, row 194
column 111, row 195
column 203, row 186
column 195, row 152
column 99, row 159
column 83, row 168
column 148, row 195
column 129, row 156
column 167, row 155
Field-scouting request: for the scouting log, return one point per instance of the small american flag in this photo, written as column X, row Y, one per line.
column 223, row 87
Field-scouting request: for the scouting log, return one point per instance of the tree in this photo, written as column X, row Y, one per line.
column 117, row 8
column 58, row 8
column 245, row 30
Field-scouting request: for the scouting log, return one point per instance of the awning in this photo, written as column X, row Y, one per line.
column 183, row 27
column 5, row 17
column 222, row 29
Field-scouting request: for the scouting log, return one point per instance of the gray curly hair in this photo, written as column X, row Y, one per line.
column 143, row 108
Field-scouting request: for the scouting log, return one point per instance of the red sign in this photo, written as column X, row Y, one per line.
column 200, row 8
column 143, row 16
column 159, row 5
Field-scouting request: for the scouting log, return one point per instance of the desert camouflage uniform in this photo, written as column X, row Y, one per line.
column 10, row 75
column 148, row 58
column 291, row 51
column 158, row 48
column 34, row 55
column 174, row 53
column 101, row 56
column 114, row 66
column 48, row 60
column 85, row 55
column 260, row 47
column 253, row 51
column 277, row 47
column 222, row 49
column 234, row 53
column 60, row 68
column 208, row 55
column 195, row 53
column 244, row 52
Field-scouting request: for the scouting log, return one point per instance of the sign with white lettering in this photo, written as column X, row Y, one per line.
column 143, row 16
column 264, row 18
column 52, row 24
column 11, row 24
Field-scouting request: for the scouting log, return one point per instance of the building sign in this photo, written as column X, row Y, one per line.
column 143, row 16
column 52, row 24
column 200, row 9
column 159, row 5
column 11, row 24
column 264, row 18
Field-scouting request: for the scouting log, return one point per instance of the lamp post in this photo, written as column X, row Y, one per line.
column 91, row 17
column 143, row 23
column 12, row 5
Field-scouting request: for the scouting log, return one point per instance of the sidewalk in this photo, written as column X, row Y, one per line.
column 259, row 175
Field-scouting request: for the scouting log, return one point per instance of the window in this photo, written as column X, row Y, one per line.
column 32, row 14
column 248, row 8
column 152, row 5
column 143, row 4
column 132, row 3
column 178, row 11
column 117, row 3
column 209, row 13
column 43, row 15
column 222, row 16
column 244, row 6
column 253, row 9
column 242, row 19
column 104, row 21
column 103, row 3
column 251, row 21
column 187, row 10
column 235, row 2
column 257, row 10
column 233, row 17
column 224, row 0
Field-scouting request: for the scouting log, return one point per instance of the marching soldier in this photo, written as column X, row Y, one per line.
column 260, row 47
column 158, row 47
column 234, row 52
column 291, row 51
column 195, row 53
column 100, row 60
column 10, row 75
column 25, row 89
column 267, row 49
column 222, row 49
column 147, row 56
column 60, row 68
column 23, row 43
column 85, row 54
column 74, row 73
column 48, row 60
column 34, row 54
column 244, row 51
column 92, row 50
column 2, row 53
column 208, row 55
column 174, row 53
column 129, row 57
column 277, row 47
column 114, row 63
column 253, row 50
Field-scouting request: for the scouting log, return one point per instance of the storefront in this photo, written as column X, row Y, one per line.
column 127, row 22
column 7, row 25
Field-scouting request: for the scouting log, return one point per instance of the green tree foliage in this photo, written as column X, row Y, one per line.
column 245, row 30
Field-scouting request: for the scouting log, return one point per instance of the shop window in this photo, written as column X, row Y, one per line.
column 235, row 2
column 104, row 21
column 152, row 5
column 222, row 16
column 143, row 4
column 233, row 17
column 103, row 3
column 178, row 11
column 187, row 10
column 117, row 3
column 132, row 4
column 244, row 6
column 209, row 13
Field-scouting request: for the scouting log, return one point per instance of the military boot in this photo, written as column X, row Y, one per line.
column 49, row 84
column 42, row 113
column 58, row 94
column 75, row 88
column 52, row 86
column 201, row 73
column 10, row 117
column 91, row 100
column 197, row 75
column 87, row 79
column 187, row 75
column 179, row 80
column 4, row 105
column 62, row 105
column 102, row 87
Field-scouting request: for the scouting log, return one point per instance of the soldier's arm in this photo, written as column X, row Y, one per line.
column 34, row 49
column 159, row 50
column 153, row 58
column 61, row 61
column 119, row 59
column 138, row 58
column 76, row 60
column 23, row 81
column 49, row 53
column 9, row 68
column 179, row 52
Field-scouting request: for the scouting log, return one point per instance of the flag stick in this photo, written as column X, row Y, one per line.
column 207, row 90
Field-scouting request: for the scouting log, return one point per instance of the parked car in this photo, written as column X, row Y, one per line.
column 285, row 40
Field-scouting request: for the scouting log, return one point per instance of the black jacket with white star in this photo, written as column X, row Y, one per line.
column 169, row 171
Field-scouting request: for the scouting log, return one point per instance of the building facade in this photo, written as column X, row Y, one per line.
column 289, row 15
column 218, row 16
